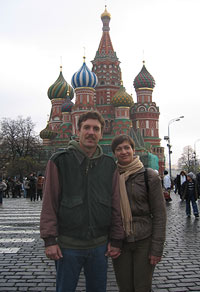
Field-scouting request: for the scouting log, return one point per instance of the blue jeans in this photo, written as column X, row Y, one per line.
column 194, row 206
column 94, row 263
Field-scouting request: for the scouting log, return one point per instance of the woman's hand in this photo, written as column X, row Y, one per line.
column 154, row 260
column 113, row 252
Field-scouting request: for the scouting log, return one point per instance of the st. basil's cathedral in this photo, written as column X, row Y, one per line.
column 102, row 89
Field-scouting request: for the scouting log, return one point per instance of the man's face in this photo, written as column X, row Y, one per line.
column 90, row 134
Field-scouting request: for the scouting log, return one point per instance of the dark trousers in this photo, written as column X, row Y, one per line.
column 133, row 269
column 39, row 194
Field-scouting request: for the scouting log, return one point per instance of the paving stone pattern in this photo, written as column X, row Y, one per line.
column 24, row 267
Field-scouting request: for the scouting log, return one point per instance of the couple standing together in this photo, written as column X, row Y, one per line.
column 94, row 208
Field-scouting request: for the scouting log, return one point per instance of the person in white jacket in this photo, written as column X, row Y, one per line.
column 167, row 184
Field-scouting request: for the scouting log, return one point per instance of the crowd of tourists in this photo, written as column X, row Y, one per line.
column 29, row 187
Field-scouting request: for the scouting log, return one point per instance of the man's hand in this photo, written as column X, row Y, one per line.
column 113, row 252
column 154, row 260
column 53, row 252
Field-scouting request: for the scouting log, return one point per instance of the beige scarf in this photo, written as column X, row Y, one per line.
column 125, row 171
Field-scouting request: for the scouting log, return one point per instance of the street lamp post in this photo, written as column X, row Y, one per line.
column 169, row 142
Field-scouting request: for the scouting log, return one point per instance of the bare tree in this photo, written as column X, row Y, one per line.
column 186, row 161
column 19, row 143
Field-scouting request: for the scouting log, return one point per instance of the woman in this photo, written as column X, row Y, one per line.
column 144, row 219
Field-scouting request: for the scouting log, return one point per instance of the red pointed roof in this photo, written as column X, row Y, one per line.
column 105, row 46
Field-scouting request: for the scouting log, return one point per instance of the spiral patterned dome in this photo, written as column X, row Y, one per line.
column 67, row 106
column 144, row 79
column 84, row 78
column 122, row 98
column 60, row 88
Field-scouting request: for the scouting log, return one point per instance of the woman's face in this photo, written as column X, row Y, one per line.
column 124, row 153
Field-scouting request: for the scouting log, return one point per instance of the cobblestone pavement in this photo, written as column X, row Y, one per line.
column 24, row 267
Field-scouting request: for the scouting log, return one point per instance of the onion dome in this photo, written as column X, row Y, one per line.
column 144, row 79
column 105, row 13
column 122, row 98
column 47, row 133
column 60, row 88
column 84, row 77
column 67, row 106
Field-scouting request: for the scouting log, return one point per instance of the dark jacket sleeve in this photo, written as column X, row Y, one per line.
column 50, row 205
column 158, row 211
column 117, row 233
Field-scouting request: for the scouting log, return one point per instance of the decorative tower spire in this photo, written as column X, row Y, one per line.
column 106, row 67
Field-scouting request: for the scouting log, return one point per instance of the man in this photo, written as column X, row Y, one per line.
column 81, row 209
column 33, row 186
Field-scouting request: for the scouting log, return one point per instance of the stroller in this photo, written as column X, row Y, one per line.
column 167, row 196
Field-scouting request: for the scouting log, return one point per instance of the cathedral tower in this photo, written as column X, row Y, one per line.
column 145, row 114
column 106, row 67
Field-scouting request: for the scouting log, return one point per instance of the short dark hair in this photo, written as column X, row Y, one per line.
column 94, row 115
column 120, row 139
column 165, row 172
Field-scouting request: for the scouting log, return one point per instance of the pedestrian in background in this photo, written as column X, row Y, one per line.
column 26, row 187
column 180, row 179
column 80, row 210
column 144, row 219
column 190, row 194
column 3, row 187
column 198, row 182
column 167, row 186
column 32, row 184
column 40, row 182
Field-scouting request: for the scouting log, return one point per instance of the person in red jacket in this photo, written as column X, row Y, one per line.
column 80, row 210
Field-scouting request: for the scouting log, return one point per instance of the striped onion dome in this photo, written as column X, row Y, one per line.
column 144, row 79
column 122, row 98
column 84, row 77
column 60, row 88
column 67, row 106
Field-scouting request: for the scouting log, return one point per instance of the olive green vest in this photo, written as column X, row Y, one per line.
column 86, row 195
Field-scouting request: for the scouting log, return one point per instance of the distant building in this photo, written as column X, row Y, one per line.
column 102, row 89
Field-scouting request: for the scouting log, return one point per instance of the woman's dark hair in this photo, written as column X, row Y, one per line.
column 182, row 172
column 120, row 139
column 91, row 115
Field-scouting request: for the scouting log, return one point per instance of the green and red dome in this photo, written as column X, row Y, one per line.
column 144, row 79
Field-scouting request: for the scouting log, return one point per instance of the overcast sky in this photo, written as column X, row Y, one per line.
column 34, row 34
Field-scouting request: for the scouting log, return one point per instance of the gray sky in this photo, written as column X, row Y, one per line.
column 35, row 33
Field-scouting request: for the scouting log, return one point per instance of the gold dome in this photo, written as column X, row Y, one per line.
column 105, row 13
